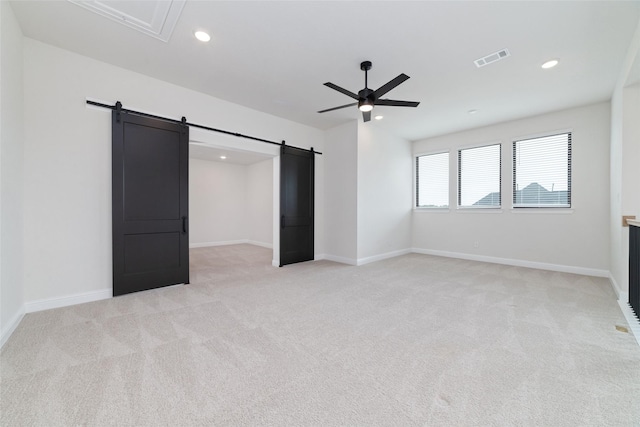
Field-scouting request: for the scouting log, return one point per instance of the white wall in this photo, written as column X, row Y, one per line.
column 259, row 203
column 384, row 193
column 230, row 203
column 624, row 158
column 631, row 151
column 341, row 193
column 368, row 181
column 11, row 173
column 67, row 197
column 576, row 241
column 217, row 202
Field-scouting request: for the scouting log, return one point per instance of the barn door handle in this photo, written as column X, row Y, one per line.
column 184, row 225
column 282, row 221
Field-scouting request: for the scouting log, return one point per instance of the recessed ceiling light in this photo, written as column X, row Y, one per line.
column 472, row 111
column 378, row 117
column 202, row 36
column 550, row 64
column 223, row 157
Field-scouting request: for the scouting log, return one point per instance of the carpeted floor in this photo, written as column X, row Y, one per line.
column 410, row 341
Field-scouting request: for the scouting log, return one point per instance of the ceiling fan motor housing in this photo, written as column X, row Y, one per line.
column 367, row 93
column 366, row 97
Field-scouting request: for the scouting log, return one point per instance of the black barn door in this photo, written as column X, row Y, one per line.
column 296, row 205
column 150, row 203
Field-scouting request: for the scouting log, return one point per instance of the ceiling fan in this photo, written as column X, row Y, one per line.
column 367, row 98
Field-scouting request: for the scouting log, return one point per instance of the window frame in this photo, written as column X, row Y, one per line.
column 548, row 207
column 416, row 181
column 459, row 176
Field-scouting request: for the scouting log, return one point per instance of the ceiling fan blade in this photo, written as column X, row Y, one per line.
column 366, row 115
column 393, row 103
column 390, row 85
column 337, row 108
column 341, row 90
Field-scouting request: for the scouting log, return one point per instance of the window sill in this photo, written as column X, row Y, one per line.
column 432, row 210
column 479, row 210
column 561, row 211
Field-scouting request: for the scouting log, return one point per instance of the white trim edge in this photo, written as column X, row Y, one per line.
column 367, row 260
column 261, row 244
column 57, row 302
column 632, row 320
column 620, row 294
column 223, row 243
column 342, row 260
column 516, row 262
column 11, row 326
column 231, row 242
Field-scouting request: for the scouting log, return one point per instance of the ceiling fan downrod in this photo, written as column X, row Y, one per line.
column 365, row 66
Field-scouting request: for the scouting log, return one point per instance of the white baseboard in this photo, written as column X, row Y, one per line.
column 231, row 242
column 49, row 303
column 516, row 262
column 632, row 320
column 367, row 260
column 222, row 243
column 620, row 294
column 11, row 326
column 342, row 260
column 261, row 244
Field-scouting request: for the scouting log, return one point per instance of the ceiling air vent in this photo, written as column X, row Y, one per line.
column 493, row 57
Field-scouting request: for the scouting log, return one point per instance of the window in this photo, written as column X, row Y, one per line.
column 542, row 172
column 432, row 181
column 479, row 177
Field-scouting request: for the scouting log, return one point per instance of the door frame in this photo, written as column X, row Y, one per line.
column 200, row 136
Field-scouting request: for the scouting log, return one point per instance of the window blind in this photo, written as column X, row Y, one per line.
column 542, row 172
column 479, row 177
column 432, row 181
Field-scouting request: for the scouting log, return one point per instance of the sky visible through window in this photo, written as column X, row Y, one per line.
column 433, row 180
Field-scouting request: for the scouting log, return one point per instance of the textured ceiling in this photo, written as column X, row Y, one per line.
column 275, row 56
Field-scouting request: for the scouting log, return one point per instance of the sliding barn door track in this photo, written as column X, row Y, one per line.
column 118, row 108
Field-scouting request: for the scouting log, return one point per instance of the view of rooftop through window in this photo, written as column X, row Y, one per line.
column 541, row 175
column 479, row 176
column 542, row 171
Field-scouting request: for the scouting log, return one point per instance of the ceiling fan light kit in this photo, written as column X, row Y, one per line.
column 365, row 105
column 368, row 98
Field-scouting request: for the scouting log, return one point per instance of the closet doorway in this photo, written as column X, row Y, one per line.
column 231, row 196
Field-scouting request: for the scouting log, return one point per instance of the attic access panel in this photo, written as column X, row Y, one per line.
column 155, row 18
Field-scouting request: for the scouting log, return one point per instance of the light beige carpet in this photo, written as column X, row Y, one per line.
column 410, row 341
